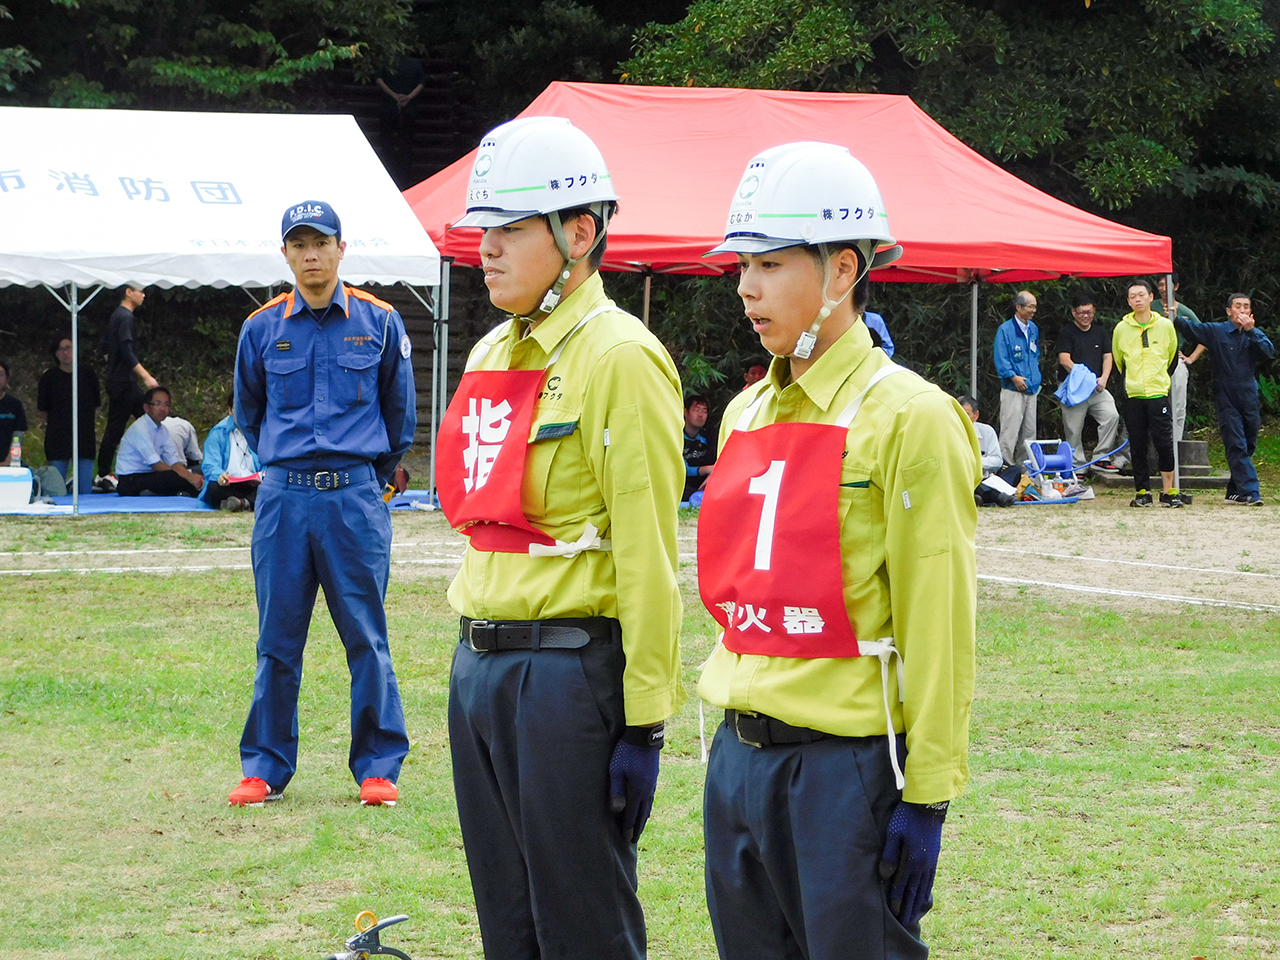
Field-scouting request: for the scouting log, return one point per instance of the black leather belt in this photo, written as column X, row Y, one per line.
column 485, row 636
column 322, row 479
column 757, row 730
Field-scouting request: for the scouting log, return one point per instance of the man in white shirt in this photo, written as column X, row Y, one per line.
column 185, row 439
column 988, row 442
column 148, row 461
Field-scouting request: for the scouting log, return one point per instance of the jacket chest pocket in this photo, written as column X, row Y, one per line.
column 356, row 380
column 552, row 482
column 861, row 512
column 288, row 382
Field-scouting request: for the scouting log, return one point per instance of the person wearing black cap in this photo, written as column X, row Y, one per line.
column 324, row 394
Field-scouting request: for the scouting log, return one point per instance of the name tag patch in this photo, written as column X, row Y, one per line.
column 283, row 345
column 549, row 431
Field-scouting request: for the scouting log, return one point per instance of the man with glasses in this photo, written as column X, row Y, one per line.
column 148, row 463
column 1084, row 342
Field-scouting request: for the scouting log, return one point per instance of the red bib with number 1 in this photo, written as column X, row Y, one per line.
column 769, row 542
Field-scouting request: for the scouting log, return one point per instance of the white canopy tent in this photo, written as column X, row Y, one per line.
column 99, row 198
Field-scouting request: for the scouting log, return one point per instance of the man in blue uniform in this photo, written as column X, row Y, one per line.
column 1235, row 347
column 324, row 394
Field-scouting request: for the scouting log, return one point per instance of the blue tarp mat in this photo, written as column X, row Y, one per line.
column 114, row 503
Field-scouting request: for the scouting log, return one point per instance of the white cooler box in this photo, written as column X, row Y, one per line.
column 15, row 487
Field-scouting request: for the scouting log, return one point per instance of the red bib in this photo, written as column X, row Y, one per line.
column 480, row 456
column 481, row 452
column 769, row 538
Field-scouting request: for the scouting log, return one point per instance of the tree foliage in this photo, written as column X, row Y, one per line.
column 1108, row 98
column 191, row 53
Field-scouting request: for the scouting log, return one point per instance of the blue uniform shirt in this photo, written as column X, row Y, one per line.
column 1234, row 353
column 328, row 389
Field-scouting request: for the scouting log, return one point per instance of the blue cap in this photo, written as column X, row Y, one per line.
column 311, row 213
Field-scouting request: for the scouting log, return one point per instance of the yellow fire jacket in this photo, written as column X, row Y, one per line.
column 621, row 469
column 909, row 572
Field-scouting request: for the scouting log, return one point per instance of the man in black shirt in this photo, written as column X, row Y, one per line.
column 699, row 455
column 1085, row 342
column 123, row 372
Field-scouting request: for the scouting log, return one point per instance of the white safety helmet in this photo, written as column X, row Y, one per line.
column 809, row 194
column 534, row 166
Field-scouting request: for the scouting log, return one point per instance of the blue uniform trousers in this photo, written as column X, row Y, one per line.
column 1238, row 418
column 341, row 540
column 531, row 735
column 794, row 836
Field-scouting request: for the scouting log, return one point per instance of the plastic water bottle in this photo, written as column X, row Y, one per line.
column 15, row 451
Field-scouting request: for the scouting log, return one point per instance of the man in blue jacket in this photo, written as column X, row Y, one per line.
column 324, row 394
column 1236, row 346
column 1017, row 358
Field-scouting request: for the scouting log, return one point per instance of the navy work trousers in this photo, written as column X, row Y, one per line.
column 124, row 401
column 794, row 836
column 1238, row 418
column 531, row 735
column 341, row 540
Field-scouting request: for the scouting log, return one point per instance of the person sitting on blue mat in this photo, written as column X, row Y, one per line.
column 227, row 455
column 148, row 463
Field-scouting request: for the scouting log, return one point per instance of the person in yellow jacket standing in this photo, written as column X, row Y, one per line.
column 836, row 551
column 1144, row 347
column 560, row 459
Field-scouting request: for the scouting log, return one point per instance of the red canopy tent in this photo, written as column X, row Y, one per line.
column 676, row 155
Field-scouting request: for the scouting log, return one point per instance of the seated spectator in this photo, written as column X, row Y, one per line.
column 699, row 455
column 53, row 400
column 148, row 463
column 879, row 332
column 755, row 373
column 988, row 442
column 1086, row 343
column 227, row 455
column 185, row 439
column 13, row 418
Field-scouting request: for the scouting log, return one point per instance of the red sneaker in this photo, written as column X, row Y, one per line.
column 253, row 792
column 378, row 792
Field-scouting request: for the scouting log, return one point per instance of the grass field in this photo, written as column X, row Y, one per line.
column 1124, row 800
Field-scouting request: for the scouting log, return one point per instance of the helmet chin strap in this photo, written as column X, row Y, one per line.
column 809, row 339
column 552, row 297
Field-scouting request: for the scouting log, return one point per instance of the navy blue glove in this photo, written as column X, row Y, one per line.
column 910, row 858
column 633, row 777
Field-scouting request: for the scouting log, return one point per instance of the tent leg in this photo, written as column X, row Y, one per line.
column 648, row 287
column 973, row 338
column 1172, row 308
column 74, row 306
column 440, row 363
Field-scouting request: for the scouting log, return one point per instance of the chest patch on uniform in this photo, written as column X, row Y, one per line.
column 283, row 345
column 549, row 431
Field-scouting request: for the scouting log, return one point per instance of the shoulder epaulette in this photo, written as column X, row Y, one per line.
column 368, row 297
column 278, row 298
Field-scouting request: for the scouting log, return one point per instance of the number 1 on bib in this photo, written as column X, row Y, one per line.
column 768, row 484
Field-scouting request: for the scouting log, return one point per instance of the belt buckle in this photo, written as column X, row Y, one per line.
column 324, row 480
column 763, row 726
column 485, row 628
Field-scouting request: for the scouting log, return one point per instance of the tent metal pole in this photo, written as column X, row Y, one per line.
column 973, row 338
column 1171, row 305
column 648, row 287
column 74, row 306
column 75, row 397
column 440, row 361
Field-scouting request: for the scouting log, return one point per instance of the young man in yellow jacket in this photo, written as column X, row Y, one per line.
column 836, row 549
column 1144, row 346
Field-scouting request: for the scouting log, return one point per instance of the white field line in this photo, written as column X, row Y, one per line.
column 1104, row 591
column 169, row 550
column 1131, row 563
column 207, row 567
